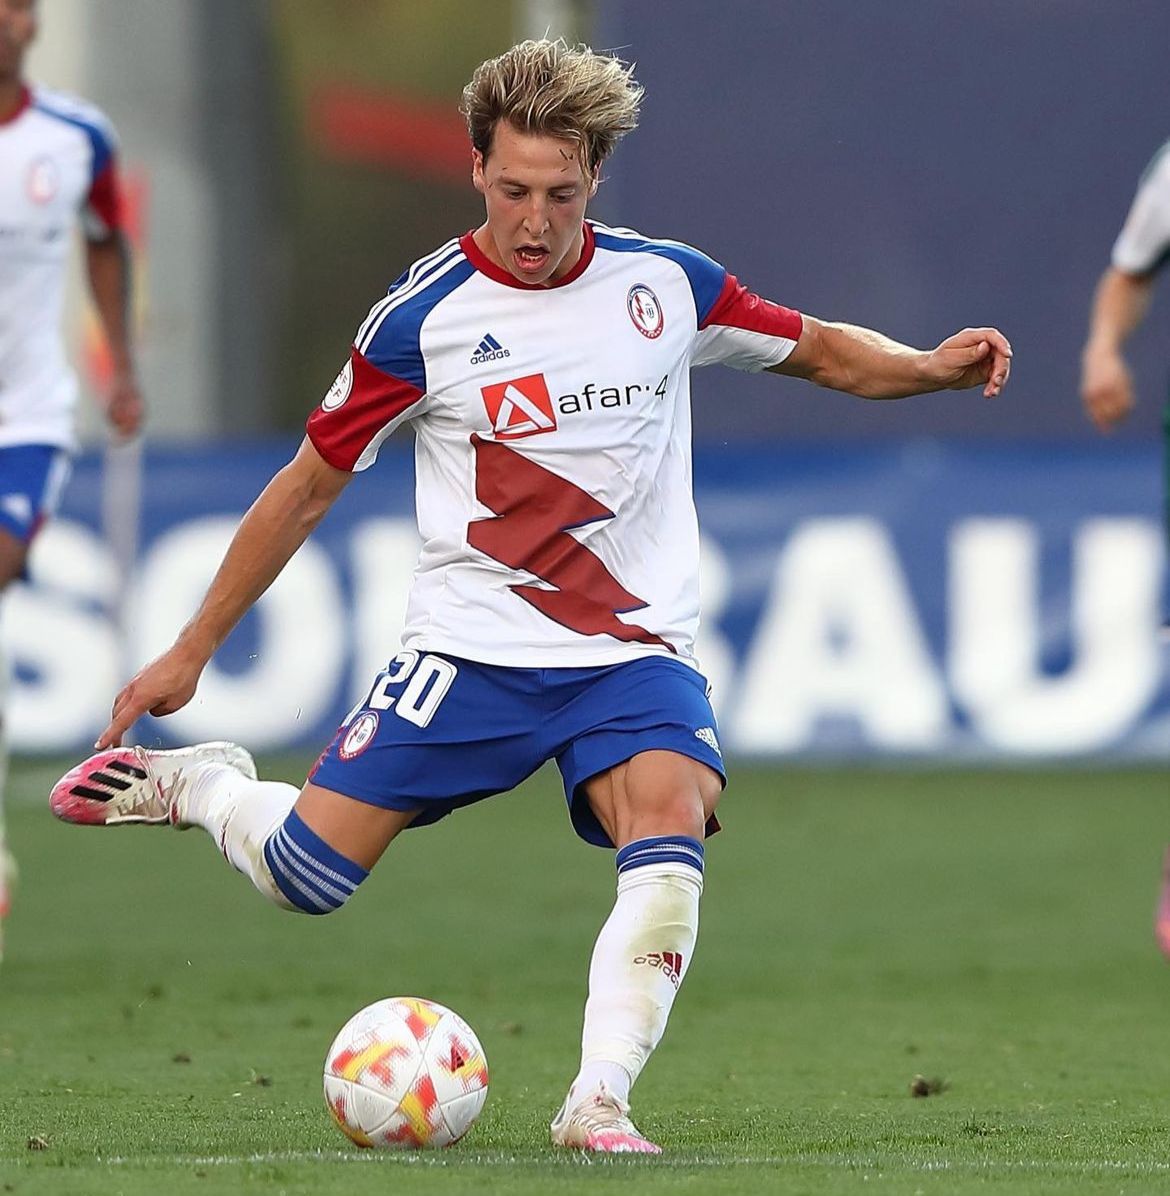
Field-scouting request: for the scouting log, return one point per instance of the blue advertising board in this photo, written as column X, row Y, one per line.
column 917, row 600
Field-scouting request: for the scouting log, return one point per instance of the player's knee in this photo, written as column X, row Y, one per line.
column 674, row 810
column 310, row 875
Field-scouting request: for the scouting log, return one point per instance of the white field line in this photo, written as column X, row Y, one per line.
column 828, row 1161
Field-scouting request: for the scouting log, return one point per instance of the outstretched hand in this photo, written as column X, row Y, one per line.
column 161, row 687
column 973, row 357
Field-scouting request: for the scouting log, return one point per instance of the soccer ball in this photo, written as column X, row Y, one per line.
column 405, row 1073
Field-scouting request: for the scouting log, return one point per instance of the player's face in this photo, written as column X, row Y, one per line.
column 535, row 189
column 18, row 26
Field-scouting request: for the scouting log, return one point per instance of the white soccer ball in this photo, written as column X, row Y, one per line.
column 405, row 1073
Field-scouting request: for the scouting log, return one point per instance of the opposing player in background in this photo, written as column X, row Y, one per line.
column 1119, row 306
column 57, row 168
column 544, row 363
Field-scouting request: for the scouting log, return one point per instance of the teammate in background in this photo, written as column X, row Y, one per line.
column 1119, row 306
column 57, row 167
column 543, row 361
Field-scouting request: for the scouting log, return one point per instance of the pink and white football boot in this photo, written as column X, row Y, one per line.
column 127, row 785
column 600, row 1122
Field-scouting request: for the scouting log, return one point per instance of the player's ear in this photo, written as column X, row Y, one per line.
column 594, row 179
column 477, row 180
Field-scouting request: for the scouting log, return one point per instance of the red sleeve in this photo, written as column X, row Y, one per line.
column 737, row 307
column 104, row 201
column 360, row 409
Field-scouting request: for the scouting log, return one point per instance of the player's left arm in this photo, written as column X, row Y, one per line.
column 863, row 362
column 108, row 264
column 109, row 267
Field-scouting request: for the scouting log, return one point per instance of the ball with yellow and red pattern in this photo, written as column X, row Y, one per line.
column 405, row 1073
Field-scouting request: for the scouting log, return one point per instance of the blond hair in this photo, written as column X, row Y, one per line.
column 560, row 90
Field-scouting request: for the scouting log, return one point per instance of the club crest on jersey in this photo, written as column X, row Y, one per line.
column 645, row 310
column 43, row 180
column 340, row 390
column 520, row 407
column 359, row 736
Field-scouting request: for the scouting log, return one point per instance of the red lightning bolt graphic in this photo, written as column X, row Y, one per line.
column 534, row 507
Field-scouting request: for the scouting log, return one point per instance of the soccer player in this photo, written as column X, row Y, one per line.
column 1120, row 304
column 543, row 361
column 57, row 167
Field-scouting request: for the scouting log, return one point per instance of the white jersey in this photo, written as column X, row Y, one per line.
column 552, row 442
column 57, row 165
column 1144, row 242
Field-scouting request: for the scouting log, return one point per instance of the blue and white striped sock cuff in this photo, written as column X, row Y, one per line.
column 313, row 876
column 661, row 849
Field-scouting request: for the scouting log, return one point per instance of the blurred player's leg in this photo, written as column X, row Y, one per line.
column 1162, row 914
column 13, row 552
column 7, row 868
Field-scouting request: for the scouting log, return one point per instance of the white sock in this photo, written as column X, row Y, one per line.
column 239, row 814
column 639, row 961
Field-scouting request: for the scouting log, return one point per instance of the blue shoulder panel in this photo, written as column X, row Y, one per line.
column 705, row 275
column 392, row 340
column 100, row 141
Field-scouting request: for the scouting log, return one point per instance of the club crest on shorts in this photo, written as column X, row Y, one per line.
column 359, row 736
column 645, row 310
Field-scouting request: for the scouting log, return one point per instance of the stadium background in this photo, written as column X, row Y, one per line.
column 942, row 578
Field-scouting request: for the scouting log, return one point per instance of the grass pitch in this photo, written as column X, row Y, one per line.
column 162, row 1029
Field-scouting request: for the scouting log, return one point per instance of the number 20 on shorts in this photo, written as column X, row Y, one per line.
column 425, row 681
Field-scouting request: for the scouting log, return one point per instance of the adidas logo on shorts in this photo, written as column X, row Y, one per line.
column 489, row 349
column 707, row 735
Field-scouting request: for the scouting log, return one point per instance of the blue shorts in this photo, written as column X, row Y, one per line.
column 439, row 732
column 32, row 477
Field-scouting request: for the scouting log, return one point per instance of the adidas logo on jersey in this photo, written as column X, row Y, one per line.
column 489, row 349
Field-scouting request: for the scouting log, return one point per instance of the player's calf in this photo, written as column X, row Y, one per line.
column 638, row 964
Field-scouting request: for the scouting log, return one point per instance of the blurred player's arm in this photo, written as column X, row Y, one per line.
column 108, row 265
column 276, row 525
column 1119, row 306
column 862, row 362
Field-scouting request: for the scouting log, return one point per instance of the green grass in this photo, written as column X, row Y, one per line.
column 162, row 1029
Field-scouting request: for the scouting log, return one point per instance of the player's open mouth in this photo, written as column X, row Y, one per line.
column 530, row 259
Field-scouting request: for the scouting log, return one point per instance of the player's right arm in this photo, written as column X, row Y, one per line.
column 275, row 526
column 1122, row 297
column 1119, row 306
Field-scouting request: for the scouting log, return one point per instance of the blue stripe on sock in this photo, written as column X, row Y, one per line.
column 310, row 873
column 331, row 884
column 303, row 879
column 290, row 882
column 661, row 849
